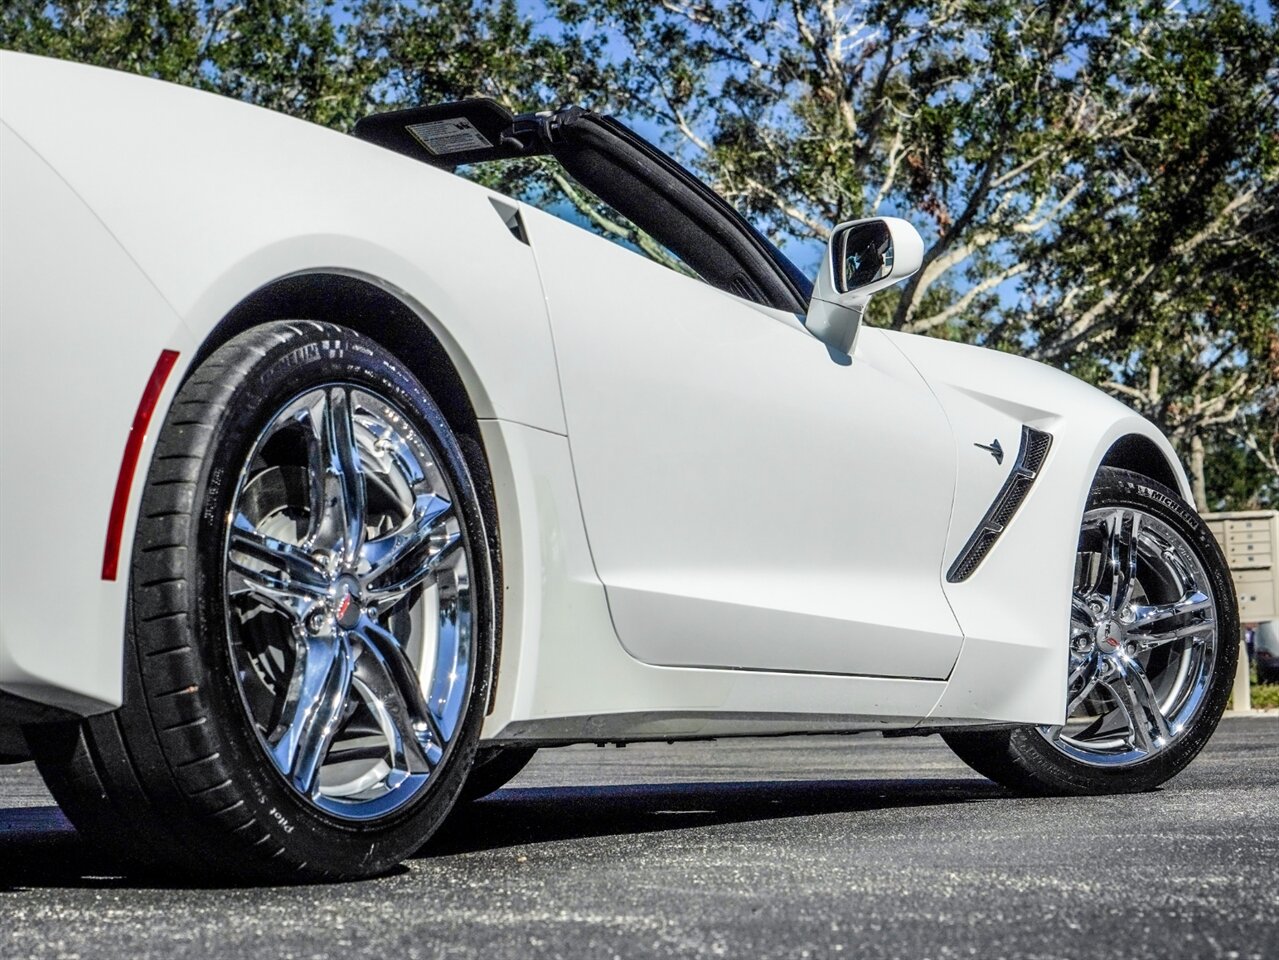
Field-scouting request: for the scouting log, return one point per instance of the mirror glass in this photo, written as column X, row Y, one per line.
column 866, row 253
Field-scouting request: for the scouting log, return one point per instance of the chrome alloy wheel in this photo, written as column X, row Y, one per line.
column 1143, row 641
column 348, row 601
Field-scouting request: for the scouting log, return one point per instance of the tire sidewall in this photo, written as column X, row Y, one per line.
column 317, row 355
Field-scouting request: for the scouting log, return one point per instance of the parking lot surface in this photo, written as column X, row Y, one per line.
column 795, row 847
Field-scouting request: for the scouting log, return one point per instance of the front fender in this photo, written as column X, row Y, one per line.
column 1014, row 609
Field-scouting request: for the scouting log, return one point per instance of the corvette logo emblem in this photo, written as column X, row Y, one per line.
column 993, row 448
column 347, row 611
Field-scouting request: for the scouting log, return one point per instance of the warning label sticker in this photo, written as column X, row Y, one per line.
column 448, row 136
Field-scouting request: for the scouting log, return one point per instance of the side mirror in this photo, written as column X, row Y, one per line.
column 863, row 257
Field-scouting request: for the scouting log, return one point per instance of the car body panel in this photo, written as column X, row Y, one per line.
column 68, row 392
column 1014, row 609
column 751, row 501
column 188, row 227
column 563, row 676
column 232, row 197
column 137, row 217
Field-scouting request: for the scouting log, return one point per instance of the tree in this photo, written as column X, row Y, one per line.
column 1097, row 181
column 288, row 55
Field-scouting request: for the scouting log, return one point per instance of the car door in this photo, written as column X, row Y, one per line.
column 751, row 500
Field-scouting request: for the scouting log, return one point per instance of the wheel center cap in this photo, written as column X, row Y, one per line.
column 1110, row 636
column 347, row 607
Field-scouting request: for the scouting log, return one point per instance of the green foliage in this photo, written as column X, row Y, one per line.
column 1265, row 696
column 314, row 59
column 1097, row 182
column 288, row 55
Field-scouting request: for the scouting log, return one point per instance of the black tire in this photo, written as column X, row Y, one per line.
column 177, row 779
column 494, row 768
column 1023, row 760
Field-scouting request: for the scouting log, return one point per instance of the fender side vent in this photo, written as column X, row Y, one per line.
column 1030, row 458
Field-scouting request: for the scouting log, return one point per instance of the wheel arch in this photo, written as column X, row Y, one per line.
column 1140, row 454
column 375, row 312
column 367, row 308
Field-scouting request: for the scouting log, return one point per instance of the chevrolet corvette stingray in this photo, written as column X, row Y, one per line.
column 334, row 484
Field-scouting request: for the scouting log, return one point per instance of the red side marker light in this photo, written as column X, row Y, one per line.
column 129, row 462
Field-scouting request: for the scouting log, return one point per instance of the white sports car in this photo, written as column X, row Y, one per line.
column 335, row 484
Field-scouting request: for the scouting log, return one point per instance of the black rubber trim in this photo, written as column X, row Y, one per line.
column 677, row 209
column 16, row 710
column 1030, row 459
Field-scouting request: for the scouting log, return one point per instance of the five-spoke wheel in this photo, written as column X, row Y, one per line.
column 1144, row 638
column 348, row 600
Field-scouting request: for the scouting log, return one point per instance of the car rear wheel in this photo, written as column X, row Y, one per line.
column 1152, row 652
column 310, row 624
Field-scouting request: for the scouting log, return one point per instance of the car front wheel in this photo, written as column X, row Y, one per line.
column 1152, row 652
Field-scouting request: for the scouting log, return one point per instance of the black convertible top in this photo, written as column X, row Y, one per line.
column 624, row 170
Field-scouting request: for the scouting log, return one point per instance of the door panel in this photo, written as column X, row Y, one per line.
column 749, row 501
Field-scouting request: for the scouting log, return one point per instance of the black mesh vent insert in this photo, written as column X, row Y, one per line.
column 1036, row 448
column 1030, row 458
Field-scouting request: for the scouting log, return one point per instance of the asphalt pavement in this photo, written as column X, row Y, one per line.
column 794, row 847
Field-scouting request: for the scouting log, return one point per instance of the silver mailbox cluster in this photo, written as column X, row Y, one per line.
column 1250, row 541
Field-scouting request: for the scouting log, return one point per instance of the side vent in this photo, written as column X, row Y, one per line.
column 1030, row 458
